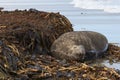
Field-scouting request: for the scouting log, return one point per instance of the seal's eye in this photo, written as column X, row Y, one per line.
column 75, row 47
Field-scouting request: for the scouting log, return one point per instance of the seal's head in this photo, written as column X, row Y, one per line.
column 71, row 52
column 77, row 52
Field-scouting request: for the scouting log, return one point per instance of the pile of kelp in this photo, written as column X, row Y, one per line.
column 33, row 30
column 25, row 40
column 114, row 52
column 15, row 65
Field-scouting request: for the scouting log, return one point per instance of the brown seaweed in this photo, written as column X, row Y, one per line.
column 34, row 30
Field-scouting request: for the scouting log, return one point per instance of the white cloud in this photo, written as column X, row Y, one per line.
column 112, row 6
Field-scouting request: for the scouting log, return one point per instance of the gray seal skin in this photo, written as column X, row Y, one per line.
column 79, row 45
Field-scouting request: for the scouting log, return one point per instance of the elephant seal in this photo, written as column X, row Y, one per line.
column 79, row 45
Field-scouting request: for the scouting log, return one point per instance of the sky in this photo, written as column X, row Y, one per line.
column 112, row 6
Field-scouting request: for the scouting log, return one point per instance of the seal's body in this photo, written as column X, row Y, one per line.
column 79, row 45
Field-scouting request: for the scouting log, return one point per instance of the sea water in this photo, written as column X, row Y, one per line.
column 111, row 31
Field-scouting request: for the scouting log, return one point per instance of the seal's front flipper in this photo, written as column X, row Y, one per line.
column 91, row 55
